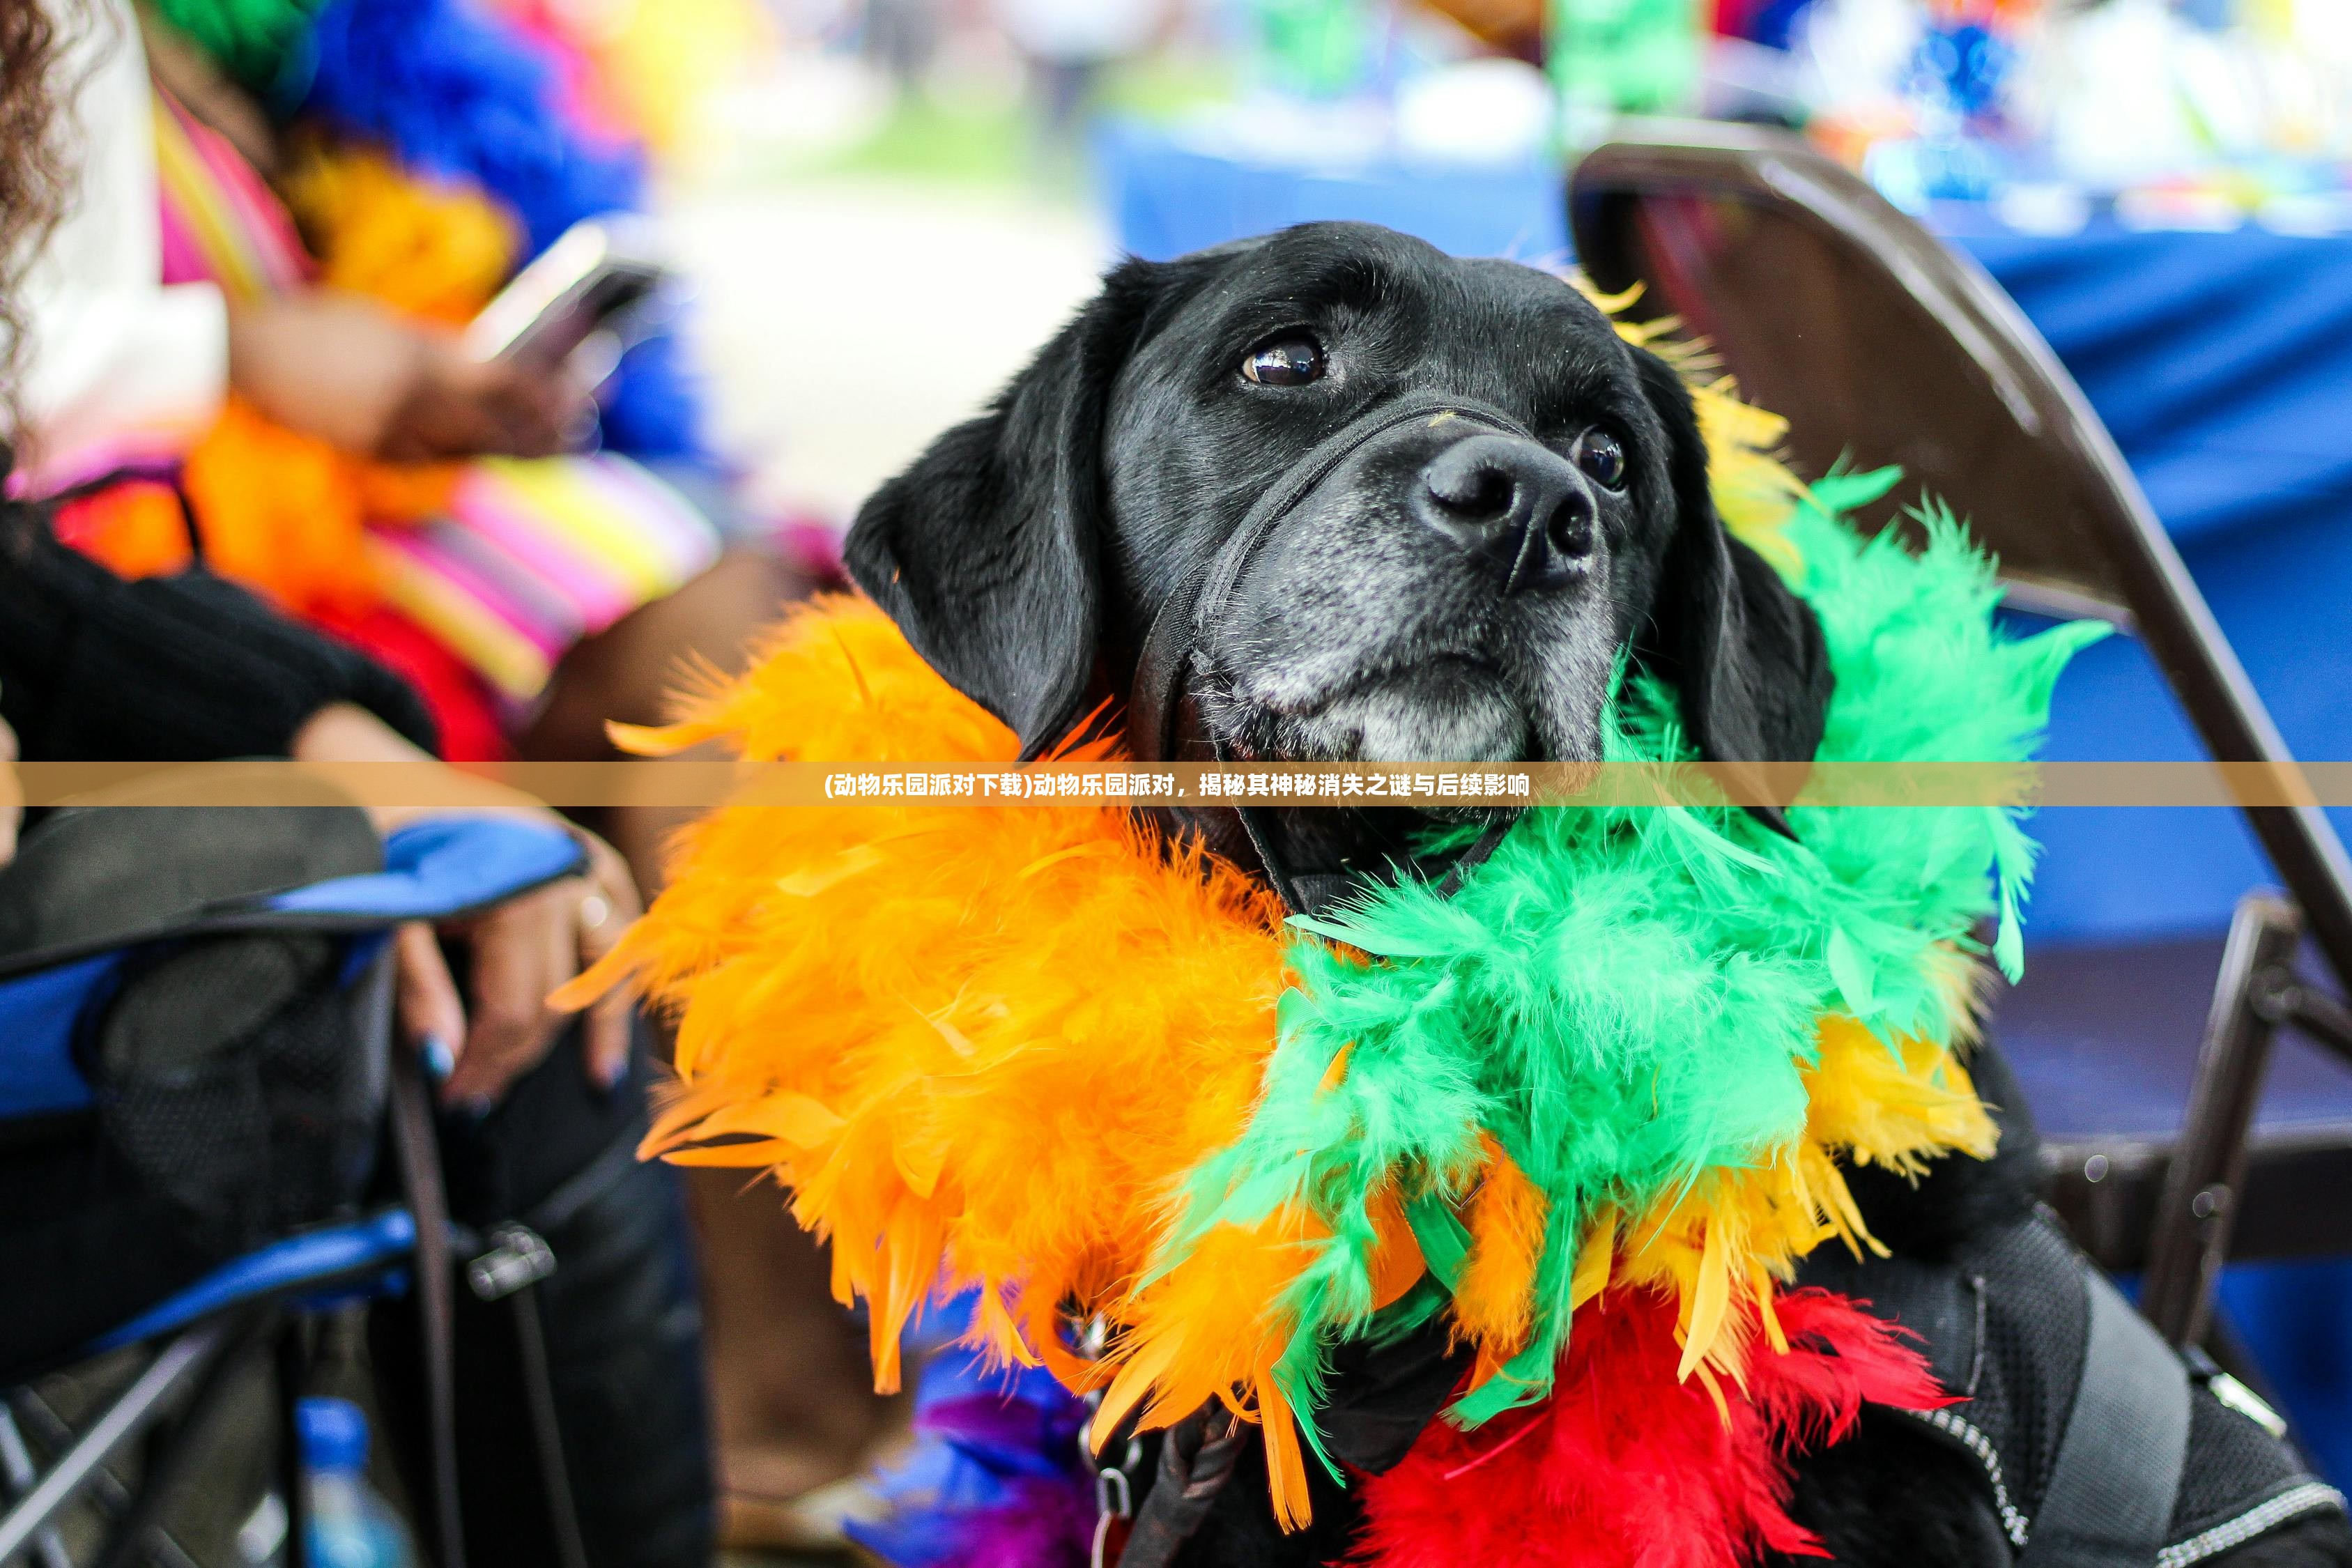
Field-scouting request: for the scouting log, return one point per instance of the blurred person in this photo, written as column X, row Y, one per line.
column 794, row 1411
column 188, row 667
column 902, row 36
column 537, row 1106
column 1065, row 45
column 337, row 448
column 277, row 357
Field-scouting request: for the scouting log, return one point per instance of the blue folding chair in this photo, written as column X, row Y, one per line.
column 440, row 869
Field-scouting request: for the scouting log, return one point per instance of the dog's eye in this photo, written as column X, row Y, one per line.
column 1287, row 361
column 1600, row 456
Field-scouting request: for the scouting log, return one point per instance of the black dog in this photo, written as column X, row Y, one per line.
column 1333, row 494
column 1450, row 590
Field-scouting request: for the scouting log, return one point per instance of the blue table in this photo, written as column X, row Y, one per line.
column 2223, row 362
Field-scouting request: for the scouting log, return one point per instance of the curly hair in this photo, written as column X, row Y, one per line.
column 34, row 36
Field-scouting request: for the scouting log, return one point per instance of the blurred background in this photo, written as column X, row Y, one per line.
column 888, row 203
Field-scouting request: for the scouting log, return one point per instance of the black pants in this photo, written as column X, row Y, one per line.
column 620, row 1319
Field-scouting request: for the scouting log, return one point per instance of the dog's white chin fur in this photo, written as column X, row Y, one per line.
column 1442, row 713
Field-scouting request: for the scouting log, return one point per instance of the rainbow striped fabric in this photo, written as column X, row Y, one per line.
column 221, row 224
column 530, row 557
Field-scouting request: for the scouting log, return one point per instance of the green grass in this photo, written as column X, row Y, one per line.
column 942, row 134
column 973, row 134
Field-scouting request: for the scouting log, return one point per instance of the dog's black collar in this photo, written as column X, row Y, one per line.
column 1162, row 721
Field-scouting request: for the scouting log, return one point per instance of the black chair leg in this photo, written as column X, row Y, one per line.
column 291, row 1377
column 547, row 1429
column 510, row 1270
column 2195, row 1210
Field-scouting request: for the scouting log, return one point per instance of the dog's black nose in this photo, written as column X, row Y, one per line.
column 1519, row 506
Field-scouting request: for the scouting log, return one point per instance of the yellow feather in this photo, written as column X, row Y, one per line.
column 1708, row 1302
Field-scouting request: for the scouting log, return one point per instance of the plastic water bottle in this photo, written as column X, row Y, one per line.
column 351, row 1525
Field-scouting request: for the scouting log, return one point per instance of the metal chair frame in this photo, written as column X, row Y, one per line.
column 2102, row 552
column 203, row 1331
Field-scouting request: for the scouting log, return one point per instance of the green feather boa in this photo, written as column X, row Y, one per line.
column 1625, row 999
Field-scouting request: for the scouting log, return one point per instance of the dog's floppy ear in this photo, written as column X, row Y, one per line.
column 1747, row 654
column 986, row 551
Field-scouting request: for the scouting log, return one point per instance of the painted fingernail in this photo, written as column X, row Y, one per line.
column 440, row 1062
column 478, row 1107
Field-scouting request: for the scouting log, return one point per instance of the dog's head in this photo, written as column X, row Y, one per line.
column 1457, row 587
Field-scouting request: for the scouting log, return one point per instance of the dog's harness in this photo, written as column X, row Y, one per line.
column 1163, row 721
column 2103, row 1446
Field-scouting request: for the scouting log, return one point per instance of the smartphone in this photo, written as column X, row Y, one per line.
column 602, row 277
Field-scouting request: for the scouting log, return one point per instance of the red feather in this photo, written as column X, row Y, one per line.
column 1626, row 1468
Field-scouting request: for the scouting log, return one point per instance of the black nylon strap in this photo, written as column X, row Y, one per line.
column 2110, row 1497
column 1166, row 658
column 2108, row 1481
column 418, row 1157
column 1194, row 1469
column 1286, row 887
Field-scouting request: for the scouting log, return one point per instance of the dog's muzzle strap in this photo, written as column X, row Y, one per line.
column 1165, row 664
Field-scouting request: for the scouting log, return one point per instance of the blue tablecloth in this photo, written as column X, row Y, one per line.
column 2223, row 362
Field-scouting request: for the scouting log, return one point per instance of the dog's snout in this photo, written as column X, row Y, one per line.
column 1516, row 505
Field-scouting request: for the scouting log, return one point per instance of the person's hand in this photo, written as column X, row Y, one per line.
column 463, row 408
column 355, row 375
column 521, row 951
column 12, row 793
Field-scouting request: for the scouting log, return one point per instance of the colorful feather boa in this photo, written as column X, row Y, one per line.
column 1030, row 1052
column 462, row 94
column 1639, row 1042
